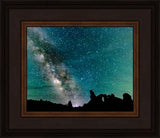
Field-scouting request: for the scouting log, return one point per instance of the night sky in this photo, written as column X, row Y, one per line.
column 64, row 63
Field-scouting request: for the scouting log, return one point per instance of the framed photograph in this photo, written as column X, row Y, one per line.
column 86, row 56
column 79, row 68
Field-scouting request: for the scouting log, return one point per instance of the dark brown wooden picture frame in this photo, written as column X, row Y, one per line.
column 146, row 121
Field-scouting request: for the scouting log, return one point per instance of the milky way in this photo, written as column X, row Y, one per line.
column 64, row 63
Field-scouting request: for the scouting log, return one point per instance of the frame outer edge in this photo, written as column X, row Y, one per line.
column 158, row 69
column 155, row 68
column 158, row 83
column 5, row 69
column 3, row 58
column 1, row 68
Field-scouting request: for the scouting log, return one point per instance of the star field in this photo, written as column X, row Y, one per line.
column 64, row 63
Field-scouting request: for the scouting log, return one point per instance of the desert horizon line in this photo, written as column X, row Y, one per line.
column 102, row 95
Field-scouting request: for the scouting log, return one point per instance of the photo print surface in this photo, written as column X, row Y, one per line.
column 79, row 68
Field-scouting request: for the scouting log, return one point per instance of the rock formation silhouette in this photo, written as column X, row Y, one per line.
column 70, row 104
column 101, row 102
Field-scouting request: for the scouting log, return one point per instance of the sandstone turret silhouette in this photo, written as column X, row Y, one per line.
column 70, row 104
column 92, row 95
column 101, row 102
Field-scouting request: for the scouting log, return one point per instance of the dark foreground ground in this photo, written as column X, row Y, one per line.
column 101, row 102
